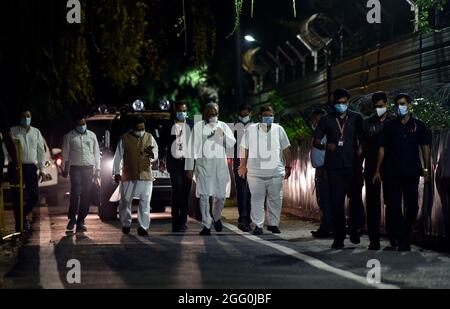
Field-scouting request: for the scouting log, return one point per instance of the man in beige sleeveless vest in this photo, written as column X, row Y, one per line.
column 132, row 169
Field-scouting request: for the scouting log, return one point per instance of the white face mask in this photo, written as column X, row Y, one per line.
column 214, row 120
column 139, row 133
column 244, row 119
column 381, row 111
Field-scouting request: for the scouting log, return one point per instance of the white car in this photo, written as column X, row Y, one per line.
column 48, row 187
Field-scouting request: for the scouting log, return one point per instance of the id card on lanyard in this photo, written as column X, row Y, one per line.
column 341, row 131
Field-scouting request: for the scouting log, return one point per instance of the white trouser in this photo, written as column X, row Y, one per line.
column 259, row 187
column 205, row 209
column 135, row 189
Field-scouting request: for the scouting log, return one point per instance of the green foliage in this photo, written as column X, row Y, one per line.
column 433, row 107
column 123, row 40
column 424, row 12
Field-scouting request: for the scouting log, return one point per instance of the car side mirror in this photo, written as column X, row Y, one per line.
column 56, row 151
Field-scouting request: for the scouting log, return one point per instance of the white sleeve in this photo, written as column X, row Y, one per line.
column 66, row 149
column 230, row 141
column 118, row 156
column 40, row 151
column 155, row 149
column 96, row 152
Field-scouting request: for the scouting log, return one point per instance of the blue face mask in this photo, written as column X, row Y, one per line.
column 181, row 116
column 340, row 108
column 244, row 119
column 82, row 129
column 25, row 122
column 268, row 120
column 402, row 110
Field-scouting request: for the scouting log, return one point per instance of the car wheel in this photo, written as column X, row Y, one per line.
column 158, row 207
column 108, row 211
column 52, row 200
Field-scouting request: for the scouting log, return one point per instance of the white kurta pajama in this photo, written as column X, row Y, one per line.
column 266, row 171
column 130, row 189
column 208, row 153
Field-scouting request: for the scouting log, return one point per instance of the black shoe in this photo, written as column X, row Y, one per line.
column 218, row 226
column 404, row 248
column 258, row 231
column 126, row 230
column 337, row 245
column 205, row 232
column 390, row 248
column 244, row 227
column 274, row 229
column 375, row 246
column 71, row 224
column 142, row 232
column 321, row 234
column 81, row 228
column 355, row 239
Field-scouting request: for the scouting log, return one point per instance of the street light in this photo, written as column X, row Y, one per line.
column 249, row 38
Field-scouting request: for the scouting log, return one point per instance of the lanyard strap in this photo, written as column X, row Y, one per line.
column 341, row 128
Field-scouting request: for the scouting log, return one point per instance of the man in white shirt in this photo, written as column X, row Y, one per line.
column 209, row 142
column 266, row 161
column 33, row 159
column 133, row 170
column 81, row 157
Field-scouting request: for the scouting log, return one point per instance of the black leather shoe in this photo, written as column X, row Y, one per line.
column 81, row 228
column 244, row 227
column 355, row 239
column 142, row 232
column 321, row 234
column 218, row 226
column 274, row 229
column 258, row 231
column 337, row 245
column 71, row 224
column 374, row 246
column 126, row 230
column 404, row 248
column 205, row 232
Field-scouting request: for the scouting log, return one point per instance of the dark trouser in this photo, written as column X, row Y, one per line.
column 30, row 182
column 81, row 183
column 243, row 196
column 373, row 206
column 339, row 181
column 323, row 200
column 357, row 214
column 399, row 225
column 181, row 186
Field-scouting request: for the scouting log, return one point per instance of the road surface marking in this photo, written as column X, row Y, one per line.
column 48, row 266
column 311, row 260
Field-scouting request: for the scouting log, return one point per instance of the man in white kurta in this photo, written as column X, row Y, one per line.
column 132, row 168
column 208, row 144
column 266, row 161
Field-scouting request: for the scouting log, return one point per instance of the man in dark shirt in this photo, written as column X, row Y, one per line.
column 372, row 134
column 342, row 129
column 176, row 152
column 7, row 139
column 399, row 151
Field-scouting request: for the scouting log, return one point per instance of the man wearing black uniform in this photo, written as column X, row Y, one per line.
column 343, row 129
column 176, row 154
column 9, row 144
column 242, row 189
column 399, row 151
column 372, row 134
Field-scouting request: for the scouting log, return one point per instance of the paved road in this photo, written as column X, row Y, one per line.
column 232, row 259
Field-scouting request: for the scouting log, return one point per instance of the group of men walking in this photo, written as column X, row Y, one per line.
column 388, row 144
